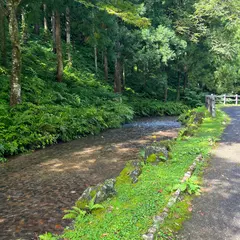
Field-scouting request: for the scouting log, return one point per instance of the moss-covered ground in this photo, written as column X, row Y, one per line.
column 129, row 215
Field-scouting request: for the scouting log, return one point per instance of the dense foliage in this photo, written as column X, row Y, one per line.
column 53, row 112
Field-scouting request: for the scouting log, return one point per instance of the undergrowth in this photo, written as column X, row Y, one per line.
column 52, row 112
column 151, row 107
column 129, row 215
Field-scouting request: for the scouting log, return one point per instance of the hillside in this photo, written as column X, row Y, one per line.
column 52, row 112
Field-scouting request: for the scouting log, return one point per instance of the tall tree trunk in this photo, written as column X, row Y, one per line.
column 36, row 28
column 106, row 65
column 124, row 74
column 166, row 91
column 24, row 27
column 144, row 76
column 179, row 86
column 68, row 36
column 185, row 78
column 15, row 94
column 45, row 18
column 96, row 58
column 53, row 21
column 3, row 50
column 59, row 49
column 118, row 75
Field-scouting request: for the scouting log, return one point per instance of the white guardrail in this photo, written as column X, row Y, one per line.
column 211, row 100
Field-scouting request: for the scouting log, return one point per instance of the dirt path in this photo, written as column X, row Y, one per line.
column 37, row 187
column 216, row 214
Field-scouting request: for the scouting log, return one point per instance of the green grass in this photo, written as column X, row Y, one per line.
column 129, row 215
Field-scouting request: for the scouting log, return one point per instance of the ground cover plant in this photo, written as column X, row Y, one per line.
column 54, row 112
column 129, row 214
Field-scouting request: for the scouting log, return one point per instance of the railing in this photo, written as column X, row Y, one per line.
column 211, row 100
column 227, row 99
column 210, row 104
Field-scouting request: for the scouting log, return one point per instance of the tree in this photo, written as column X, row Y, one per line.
column 15, row 94
column 68, row 35
column 59, row 48
column 3, row 50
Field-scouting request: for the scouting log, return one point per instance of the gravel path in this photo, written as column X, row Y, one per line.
column 216, row 214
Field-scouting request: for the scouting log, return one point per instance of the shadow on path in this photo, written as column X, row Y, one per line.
column 216, row 214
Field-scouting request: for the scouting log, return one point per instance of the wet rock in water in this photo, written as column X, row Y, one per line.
column 155, row 154
column 101, row 191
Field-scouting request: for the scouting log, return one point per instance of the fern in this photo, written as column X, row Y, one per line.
column 92, row 206
column 74, row 213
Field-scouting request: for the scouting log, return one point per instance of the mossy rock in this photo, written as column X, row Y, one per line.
column 130, row 173
column 155, row 154
column 168, row 144
column 124, row 175
column 198, row 118
column 192, row 117
column 189, row 131
column 102, row 192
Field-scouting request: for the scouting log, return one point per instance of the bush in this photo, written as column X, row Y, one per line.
column 151, row 107
column 29, row 126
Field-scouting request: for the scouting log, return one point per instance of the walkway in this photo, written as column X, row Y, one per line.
column 216, row 214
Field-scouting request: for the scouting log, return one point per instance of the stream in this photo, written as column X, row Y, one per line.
column 36, row 188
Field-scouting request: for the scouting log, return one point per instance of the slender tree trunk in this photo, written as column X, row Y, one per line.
column 106, row 65
column 144, row 75
column 124, row 74
column 165, row 84
column 179, row 85
column 96, row 58
column 45, row 18
column 36, row 29
column 3, row 49
column 24, row 28
column 68, row 36
column 15, row 93
column 59, row 49
column 185, row 78
column 117, row 75
column 166, row 91
column 53, row 21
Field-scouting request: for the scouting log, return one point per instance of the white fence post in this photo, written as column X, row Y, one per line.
column 213, row 106
column 236, row 99
column 224, row 99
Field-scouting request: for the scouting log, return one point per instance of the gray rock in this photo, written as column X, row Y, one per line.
column 106, row 190
column 135, row 174
column 158, row 151
column 101, row 191
column 148, row 236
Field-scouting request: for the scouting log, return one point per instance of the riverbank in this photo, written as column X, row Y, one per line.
column 37, row 187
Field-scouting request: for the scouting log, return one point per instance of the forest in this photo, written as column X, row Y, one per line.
column 69, row 68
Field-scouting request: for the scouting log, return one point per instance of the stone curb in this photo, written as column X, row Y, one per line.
column 159, row 219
